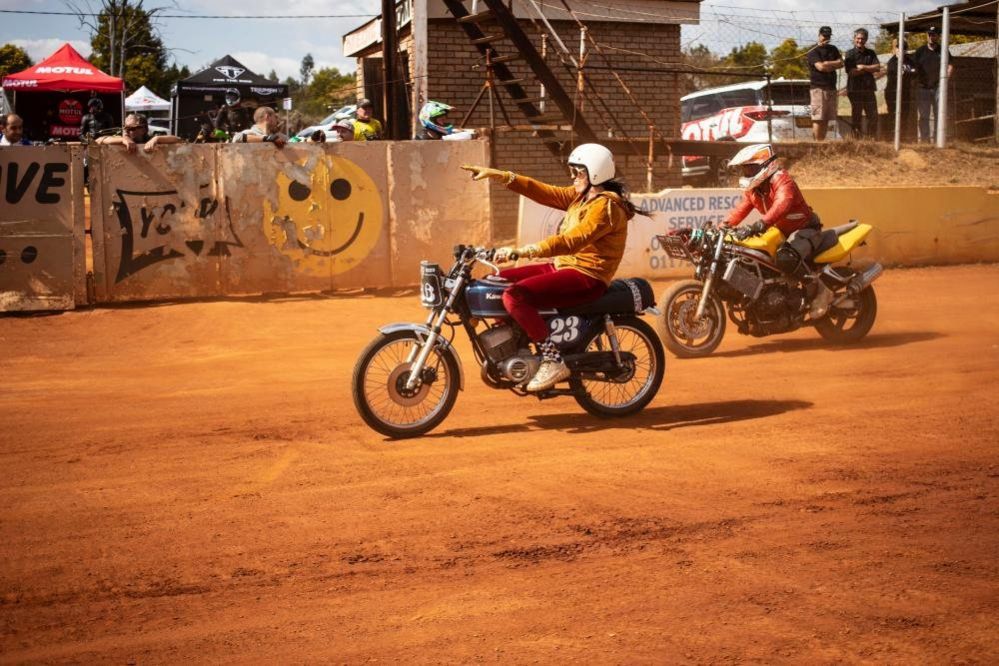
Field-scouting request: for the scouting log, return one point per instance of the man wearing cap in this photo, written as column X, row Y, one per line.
column 135, row 133
column 823, row 61
column 861, row 65
column 366, row 128
column 927, row 59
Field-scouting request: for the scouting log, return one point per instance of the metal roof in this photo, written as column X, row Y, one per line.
column 977, row 17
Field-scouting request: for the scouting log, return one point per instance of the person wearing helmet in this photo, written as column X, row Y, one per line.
column 433, row 121
column 95, row 121
column 770, row 190
column 586, row 250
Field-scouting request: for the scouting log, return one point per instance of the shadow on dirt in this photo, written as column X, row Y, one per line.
column 873, row 341
column 655, row 418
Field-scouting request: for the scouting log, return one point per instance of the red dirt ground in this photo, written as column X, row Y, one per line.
column 191, row 482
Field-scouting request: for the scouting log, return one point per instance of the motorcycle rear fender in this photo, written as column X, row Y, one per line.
column 423, row 332
column 845, row 245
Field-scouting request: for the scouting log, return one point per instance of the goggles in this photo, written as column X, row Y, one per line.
column 576, row 171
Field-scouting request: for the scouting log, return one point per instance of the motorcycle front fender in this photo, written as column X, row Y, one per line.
column 423, row 332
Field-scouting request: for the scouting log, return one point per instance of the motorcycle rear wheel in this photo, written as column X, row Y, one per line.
column 681, row 333
column 638, row 385
column 850, row 321
column 379, row 391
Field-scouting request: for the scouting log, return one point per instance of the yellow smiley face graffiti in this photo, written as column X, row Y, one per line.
column 331, row 224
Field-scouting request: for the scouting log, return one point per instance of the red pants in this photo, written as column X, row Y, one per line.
column 542, row 286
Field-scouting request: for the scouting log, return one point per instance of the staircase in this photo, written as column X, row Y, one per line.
column 506, row 42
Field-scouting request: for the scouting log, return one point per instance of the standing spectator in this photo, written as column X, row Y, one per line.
column 135, row 133
column 96, row 120
column 927, row 59
column 891, row 85
column 861, row 66
column 13, row 131
column 3, row 122
column 265, row 129
column 823, row 61
column 366, row 128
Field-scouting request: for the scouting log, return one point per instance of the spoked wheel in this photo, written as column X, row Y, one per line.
column 684, row 334
column 629, row 391
column 379, row 386
column 851, row 319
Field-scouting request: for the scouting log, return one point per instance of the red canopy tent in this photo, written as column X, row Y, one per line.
column 68, row 74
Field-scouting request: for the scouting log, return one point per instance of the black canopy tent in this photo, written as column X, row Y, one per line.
column 192, row 98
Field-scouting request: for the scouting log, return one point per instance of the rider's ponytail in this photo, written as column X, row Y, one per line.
column 618, row 187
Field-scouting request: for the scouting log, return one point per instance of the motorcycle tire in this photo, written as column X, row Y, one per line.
column 630, row 394
column 682, row 336
column 850, row 322
column 380, row 396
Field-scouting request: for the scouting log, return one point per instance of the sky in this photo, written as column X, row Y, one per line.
column 280, row 44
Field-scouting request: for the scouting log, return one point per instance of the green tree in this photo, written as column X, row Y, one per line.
column 700, row 61
column 125, row 44
column 749, row 58
column 13, row 59
column 329, row 90
column 788, row 60
column 308, row 64
column 272, row 76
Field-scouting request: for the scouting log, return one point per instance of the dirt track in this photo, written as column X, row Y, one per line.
column 191, row 481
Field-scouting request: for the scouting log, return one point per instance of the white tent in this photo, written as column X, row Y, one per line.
column 145, row 99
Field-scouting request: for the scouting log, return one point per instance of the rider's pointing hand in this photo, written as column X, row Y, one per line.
column 482, row 172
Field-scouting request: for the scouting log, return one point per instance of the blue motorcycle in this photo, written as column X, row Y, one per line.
column 406, row 381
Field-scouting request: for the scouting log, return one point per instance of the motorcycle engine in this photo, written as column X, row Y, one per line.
column 502, row 347
column 776, row 310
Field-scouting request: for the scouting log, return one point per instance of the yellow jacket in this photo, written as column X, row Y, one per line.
column 592, row 234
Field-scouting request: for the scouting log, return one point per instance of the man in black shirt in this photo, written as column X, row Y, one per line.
column 96, row 120
column 823, row 61
column 861, row 66
column 927, row 59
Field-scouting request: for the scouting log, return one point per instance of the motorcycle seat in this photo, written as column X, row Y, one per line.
column 831, row 236
column 625, row 296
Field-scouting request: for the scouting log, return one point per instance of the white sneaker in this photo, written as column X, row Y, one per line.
column 548, row 375
column 821, row 301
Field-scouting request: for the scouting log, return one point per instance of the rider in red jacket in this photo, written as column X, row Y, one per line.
column 771, row 190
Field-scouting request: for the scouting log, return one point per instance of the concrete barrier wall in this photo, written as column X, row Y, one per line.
column 197, row 220
column 42, row 247
column 912, row 226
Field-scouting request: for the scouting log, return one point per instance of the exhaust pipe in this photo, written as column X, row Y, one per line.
column 864, row 280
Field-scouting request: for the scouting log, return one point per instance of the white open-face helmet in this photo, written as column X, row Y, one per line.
column 756, row 162
column 599, row 162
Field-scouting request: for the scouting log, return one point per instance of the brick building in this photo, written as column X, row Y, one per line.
column 634, row 40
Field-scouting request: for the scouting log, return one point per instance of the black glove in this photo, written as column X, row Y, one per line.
column 755, row 229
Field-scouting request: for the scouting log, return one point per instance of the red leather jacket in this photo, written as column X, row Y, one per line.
column 779, row 200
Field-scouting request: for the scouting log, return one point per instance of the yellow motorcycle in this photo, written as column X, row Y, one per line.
column 740, row 278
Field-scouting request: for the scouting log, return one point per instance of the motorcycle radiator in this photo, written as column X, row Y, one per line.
column 747, row 282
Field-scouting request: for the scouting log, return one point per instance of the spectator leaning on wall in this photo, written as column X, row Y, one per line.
column 135, row 133
column 265, row 128
column 366, row 128
column 13, row 131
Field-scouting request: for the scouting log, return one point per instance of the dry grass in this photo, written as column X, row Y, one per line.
column 872, row 164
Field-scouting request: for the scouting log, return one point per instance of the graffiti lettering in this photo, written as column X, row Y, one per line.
column 17, row 185
column 158, row 217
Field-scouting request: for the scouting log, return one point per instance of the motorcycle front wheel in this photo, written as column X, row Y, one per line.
column 379, row 386
column 682, row 333
column 637, row 384
column 852, row 319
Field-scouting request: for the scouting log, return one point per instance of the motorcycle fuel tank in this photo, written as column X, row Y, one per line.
column 485, row 297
